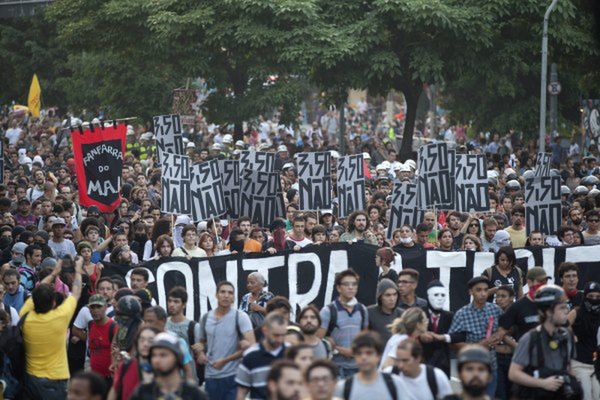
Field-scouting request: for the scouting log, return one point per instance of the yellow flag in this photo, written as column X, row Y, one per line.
column 34, row 100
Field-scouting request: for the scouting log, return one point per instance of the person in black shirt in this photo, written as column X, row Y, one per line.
column 523, row 315
column 568, row 273
column 585, row 321
column 504, row 272
column 166, row 358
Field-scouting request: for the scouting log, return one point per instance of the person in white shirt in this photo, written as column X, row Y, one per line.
column 190, row 244
column 13, row 133
column 422, row 382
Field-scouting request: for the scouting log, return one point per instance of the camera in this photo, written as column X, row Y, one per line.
column 571, row 388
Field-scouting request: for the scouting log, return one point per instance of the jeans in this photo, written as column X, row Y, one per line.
column 221, row 388
column 503, row 383
column 346, row 372
column 45, row 389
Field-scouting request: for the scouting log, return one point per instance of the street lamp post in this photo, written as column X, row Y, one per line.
column 544, row 76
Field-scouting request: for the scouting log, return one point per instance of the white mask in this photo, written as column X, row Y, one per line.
column 406, row 240
column 437, row 297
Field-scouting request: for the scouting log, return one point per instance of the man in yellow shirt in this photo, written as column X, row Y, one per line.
column 45, row 333
column 517, row 231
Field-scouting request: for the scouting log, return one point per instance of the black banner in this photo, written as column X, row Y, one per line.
column 436, row 176
column 230, row 176
column 175, row 184
column 543, row 208
column 350, row 185
column 404, row 207
column 169, row 136
column 307, row 277
column 98, row 154
column 314, row 180
column 471, row 183
column 207, row 196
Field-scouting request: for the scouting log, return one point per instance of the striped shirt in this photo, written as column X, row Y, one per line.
column 252, row 372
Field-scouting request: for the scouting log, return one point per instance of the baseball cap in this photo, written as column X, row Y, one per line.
column 282, row 148
column 287, row 165
column 57, row 221
column 537, row 274
column 96, row 300
column 19, row 247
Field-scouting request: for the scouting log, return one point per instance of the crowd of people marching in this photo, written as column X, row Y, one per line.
column 68, row 330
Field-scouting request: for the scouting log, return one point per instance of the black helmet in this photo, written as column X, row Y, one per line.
column 594, row 192
column 474, row 353
column 581, row 191
column 564, row 190
column 511, row 177
column 589, row 180
column 548, row 296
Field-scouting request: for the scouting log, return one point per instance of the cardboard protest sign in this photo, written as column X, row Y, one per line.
column 98, row 154
column 471, row 183
column 436, row 176
column 261, row 198
column 169, row 136
column 314, row 180
column 350, row 184
column 542, row 164
column 257, row 161
column 208, row 200
column 230, row 177
column 404, row 207
column 543, row 208
column 175, row 184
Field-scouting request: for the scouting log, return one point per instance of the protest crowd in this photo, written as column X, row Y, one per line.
column 81, row 316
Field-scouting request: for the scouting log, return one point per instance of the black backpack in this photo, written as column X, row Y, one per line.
column 333, row 312
column 389, row 383
column 431, row 381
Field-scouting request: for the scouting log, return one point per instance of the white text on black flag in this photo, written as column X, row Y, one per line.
column 175, row 184
column 350, row 185
column 543, row 204
column 260, row 197
column 314, row 173
column 208, row 200
column 471, row 183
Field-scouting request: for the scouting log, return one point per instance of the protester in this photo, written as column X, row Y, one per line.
column 166, row 359
column 320, row 378
column 408, row 280
column 474, row 372
column 368, row 382
column 386, row 310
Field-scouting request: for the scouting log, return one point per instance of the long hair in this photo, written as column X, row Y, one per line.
column 407, row 323
column 161, row 227
column 352, row 218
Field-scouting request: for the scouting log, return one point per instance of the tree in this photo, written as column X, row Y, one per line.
column 236, row 45
column 382, row 45
column 498, row 87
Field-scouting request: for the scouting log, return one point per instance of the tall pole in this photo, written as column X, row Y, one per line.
column 553, row 101
column 342, row 129
column 544, row 76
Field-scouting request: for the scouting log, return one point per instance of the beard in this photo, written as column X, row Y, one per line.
column 475, row 388
column 360, row 228
column 309, row 329
column 281, row 396
column 165, row 372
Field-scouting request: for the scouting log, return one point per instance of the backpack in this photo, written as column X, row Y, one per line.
column 240, row 335
column 488, row 274
column 431, row 381
column 12, row 345
column 124, row 368
column 333, row 312
column 389, row 383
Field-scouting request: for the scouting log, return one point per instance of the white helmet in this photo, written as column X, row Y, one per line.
column 228, row 139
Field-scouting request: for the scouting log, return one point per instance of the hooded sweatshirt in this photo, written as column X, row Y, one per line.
column 378, row 319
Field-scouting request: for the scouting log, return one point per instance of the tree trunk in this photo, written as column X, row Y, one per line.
column 411, row 97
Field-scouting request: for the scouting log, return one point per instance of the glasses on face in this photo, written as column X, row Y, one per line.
column 320, row 379
column 473, row 226
column 594, row 220
column 404, row 282
column 349, row 284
